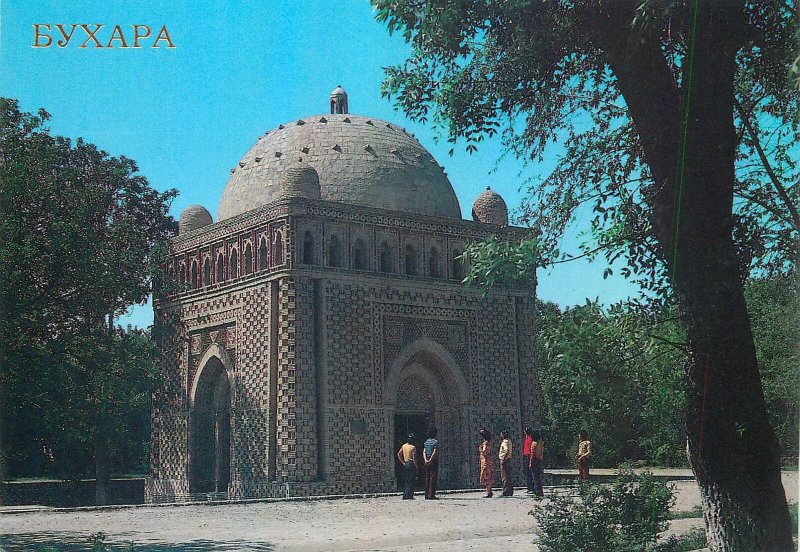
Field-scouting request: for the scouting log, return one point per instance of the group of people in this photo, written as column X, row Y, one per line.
column 532, row 454
column 430, row 458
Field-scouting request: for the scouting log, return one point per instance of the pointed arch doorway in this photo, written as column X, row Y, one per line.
column 210, row 429
column 425, row 388
column 415, row 413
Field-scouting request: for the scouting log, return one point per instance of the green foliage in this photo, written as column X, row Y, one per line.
column 774, row 306
column 493, row 261
column 695, row 539
column 695, row 512
column 79, row 229
column 626, row 516
column 535, row 73
column 616, row 373
column 98, row 542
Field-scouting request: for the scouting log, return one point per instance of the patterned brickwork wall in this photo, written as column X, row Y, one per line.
column 368, row 326
column 306, row 468
column 341, row 343
column 250, row 420
column 238, row 324
column 528, row 369
column 286, row 388
column 168, row 428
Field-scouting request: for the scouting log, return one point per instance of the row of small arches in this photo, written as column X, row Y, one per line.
column 334, row 258
column 193, row 278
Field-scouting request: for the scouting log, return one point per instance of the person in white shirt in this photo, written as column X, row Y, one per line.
column 506, row 450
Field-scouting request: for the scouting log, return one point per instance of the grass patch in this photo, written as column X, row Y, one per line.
column 696, row 512
column 693, row 540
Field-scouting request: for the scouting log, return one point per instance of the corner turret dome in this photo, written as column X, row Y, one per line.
column 192, row 218
column 490, row 208
column 300, row 180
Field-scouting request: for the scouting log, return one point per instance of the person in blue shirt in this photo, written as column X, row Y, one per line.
column 430, row 456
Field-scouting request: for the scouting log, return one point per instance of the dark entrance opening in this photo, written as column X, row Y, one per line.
column 418, row 424
column 211, row 432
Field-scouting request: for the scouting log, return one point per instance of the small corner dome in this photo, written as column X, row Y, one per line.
column 300, row 180
column 192, row 218
column 490, row 208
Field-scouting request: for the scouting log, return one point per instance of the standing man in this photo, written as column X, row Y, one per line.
column 527, row 464
column 430, row 456
column 408, row 457
column 537, row 463
column 506, row 450
column 583, row 455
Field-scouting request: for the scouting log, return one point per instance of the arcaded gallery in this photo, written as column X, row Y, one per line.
column 321, row 318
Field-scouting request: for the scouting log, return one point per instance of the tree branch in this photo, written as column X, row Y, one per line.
column 768, row 167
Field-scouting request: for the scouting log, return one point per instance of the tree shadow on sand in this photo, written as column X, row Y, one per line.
column 55, row 541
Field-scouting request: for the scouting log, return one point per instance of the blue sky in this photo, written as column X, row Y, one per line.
column 239, row 68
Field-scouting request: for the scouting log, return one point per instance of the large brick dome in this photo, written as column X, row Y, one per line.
column 359, row 160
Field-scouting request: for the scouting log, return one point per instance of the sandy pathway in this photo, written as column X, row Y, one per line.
column 456, row 522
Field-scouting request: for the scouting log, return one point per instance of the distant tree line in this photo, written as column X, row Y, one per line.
column 619, row 372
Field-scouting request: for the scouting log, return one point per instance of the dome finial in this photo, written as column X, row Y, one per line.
column 339, row 100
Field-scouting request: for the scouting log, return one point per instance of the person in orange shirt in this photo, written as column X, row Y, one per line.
column 527, row 440
column 408, row 457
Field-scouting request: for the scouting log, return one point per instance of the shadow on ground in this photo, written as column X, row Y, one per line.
column 68, row 542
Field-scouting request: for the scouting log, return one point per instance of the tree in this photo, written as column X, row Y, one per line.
column 652, row 100
column 774, row 306
column 81, row 234
column 612, row 372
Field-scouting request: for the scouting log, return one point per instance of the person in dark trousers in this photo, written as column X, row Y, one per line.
column 537, row 462
column 526, row 459
column 408, row 457
column 430, row 457
column 505, row 453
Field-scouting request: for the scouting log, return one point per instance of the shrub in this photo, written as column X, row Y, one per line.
column 626, row 516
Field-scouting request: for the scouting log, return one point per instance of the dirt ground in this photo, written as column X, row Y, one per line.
column 455, row 522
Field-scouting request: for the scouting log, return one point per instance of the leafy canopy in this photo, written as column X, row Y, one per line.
column 82, row 235
column 532, row 73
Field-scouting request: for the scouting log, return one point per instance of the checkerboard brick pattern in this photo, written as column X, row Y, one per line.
column 321, row 358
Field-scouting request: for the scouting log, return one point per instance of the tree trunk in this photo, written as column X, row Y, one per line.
column 101, row 470
column 2, row 460
column 691, row 152
column 734, row 452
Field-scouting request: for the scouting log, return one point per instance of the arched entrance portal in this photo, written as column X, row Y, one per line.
column 210, row 435
column 414, row 413
column 425, row 389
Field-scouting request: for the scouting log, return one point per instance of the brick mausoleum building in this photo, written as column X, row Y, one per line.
column 322, row 318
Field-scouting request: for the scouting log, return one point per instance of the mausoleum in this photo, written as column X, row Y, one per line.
column 322, row 317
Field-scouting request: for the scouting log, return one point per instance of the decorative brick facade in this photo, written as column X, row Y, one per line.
column 320, row 359
column 304, row 337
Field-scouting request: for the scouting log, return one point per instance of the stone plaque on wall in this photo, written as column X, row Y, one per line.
column 358, row 427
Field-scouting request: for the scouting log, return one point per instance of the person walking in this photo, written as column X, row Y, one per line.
column 486, row 461
column 430, row 457
column 506, row 449
column 583, row 455
column 537, row 463
column 526, row 459
column 408, row 457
